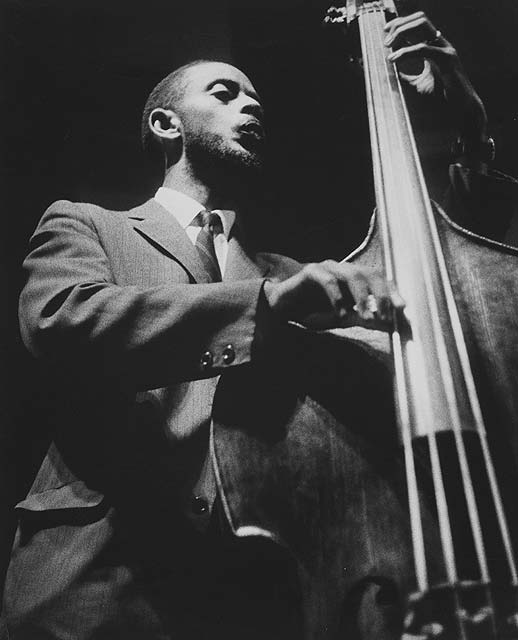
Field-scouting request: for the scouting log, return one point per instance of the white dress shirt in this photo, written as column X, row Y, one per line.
column 185, row 209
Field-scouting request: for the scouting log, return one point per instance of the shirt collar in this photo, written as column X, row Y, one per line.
column 185, row 209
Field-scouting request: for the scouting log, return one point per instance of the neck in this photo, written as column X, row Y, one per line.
column 181, row 177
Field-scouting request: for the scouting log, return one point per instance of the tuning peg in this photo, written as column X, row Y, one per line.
column 335, row 15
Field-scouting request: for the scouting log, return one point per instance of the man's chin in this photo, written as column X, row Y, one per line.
column 252, row 161
column 238, row 159
column 243, row 154
column 244, row 162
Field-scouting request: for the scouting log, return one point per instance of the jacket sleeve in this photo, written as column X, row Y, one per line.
column 485, row 203
column 74, row 316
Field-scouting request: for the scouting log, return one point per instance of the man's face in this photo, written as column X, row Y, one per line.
column 221, row 116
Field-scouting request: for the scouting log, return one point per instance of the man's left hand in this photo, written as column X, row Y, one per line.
column 414, row 36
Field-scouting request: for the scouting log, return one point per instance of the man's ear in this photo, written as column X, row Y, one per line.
column 165, row 124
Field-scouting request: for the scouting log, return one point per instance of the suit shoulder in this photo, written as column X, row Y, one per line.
column 83, row 218
column 85, row 213
column 68, row 207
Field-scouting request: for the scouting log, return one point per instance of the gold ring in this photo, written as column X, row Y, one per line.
column 370, row 305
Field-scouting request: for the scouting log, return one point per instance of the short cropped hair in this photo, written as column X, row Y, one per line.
column 167, row 94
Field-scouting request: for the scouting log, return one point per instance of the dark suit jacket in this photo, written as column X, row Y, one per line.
column 134, row 351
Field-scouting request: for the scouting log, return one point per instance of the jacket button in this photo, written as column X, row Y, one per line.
column 206, row 360
column 228, row 354
column 199, row 506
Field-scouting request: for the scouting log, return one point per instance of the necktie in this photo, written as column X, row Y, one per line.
column 210, row 225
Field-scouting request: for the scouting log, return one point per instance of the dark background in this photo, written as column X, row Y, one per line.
column 75, row 75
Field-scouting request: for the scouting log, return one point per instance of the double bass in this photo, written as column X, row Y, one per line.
column 397, row 506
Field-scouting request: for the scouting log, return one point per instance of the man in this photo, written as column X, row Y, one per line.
column 118, row 303
column 135, row 315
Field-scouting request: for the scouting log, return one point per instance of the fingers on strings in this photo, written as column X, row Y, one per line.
column 350, row 290
column 414, row 36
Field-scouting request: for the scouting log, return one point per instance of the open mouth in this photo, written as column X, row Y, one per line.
column 253, row 129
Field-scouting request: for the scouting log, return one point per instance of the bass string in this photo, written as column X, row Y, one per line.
column 462, row 454
column 374, row 62
column 376, row 34
column 437, row 474
column 402, row 398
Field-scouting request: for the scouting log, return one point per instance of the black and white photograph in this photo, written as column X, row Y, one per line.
column 259, row 320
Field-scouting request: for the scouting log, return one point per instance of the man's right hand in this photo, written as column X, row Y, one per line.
column 333, row 294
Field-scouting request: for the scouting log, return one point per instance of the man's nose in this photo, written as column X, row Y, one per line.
column 252, row 107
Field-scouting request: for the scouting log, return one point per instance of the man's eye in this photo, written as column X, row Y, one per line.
column 223, row 94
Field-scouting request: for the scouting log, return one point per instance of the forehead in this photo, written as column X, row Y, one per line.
column 204, row 75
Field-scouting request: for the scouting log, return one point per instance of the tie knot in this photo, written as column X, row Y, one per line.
column 211, row 220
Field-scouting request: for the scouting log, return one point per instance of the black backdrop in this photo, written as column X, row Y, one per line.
column 75, row 76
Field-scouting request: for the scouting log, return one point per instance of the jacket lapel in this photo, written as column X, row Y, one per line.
column 162, row 230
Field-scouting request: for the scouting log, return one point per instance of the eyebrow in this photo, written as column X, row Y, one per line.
column 234, row 85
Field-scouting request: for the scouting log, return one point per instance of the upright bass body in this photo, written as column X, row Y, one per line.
column 385, row 464
column 319, row 467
